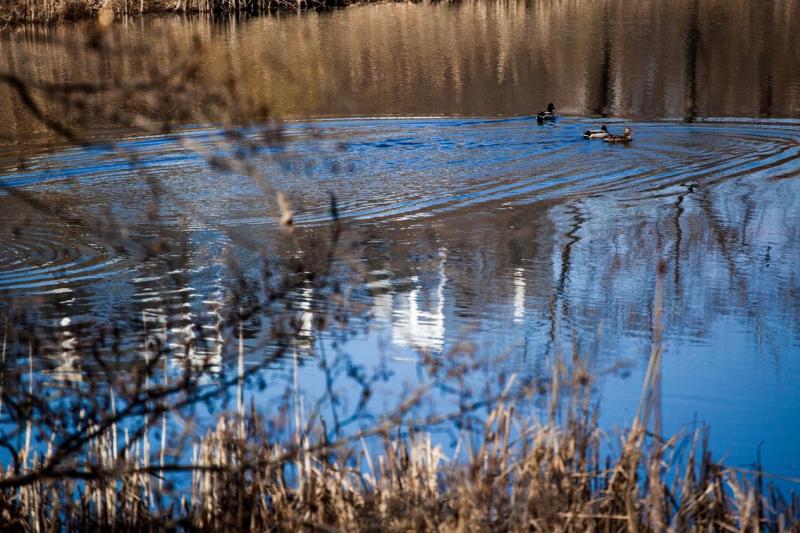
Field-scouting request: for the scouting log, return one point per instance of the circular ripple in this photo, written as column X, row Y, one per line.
column 404, row 169
column 42, row 258
column 380, row 170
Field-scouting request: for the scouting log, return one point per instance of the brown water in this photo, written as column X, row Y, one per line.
column 655, row 59
column 517, row 237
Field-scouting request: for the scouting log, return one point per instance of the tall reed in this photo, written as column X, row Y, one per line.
column 51, row 11
column 539, row 476
column 516, row 473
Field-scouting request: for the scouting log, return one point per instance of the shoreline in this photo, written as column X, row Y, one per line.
column 46, row 13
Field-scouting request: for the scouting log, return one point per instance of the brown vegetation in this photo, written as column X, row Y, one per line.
column 283, row 469
column 511, row 476
column 49, row 11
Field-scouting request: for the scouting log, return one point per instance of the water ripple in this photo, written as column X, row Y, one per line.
column 380, row 170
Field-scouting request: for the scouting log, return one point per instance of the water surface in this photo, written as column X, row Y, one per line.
column 522, row 239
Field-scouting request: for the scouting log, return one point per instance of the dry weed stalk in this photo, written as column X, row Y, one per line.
column 53, row 11
column 521, row 475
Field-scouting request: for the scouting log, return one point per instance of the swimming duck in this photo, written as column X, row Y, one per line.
column 602, row 133
column 550, row 114
column 626, row 137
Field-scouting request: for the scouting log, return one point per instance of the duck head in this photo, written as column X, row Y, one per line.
column 628, row 132
column 550, row 107
column 604, row 128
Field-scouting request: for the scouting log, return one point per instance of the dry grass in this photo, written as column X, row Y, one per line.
column 539, row 477
column 51, row 11
column 45, row 11
column 514, row 474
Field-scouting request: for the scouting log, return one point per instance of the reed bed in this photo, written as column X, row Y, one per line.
column 514, row 474
column 54, row 11
column 552, row 479
column 506, row 466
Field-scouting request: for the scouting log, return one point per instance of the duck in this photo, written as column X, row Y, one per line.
column 626, row 137
column 550, row 114
column 602, row 133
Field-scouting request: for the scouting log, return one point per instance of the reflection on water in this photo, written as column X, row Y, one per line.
column 520, row 239
column 417, row 321
column 675, row 58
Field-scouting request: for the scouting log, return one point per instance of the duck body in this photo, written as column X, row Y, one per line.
column 602, row 133
column 548, row 115
column 626, row 137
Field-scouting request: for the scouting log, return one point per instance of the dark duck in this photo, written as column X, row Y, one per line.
column 548, row 115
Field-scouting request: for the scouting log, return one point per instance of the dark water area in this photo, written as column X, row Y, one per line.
column 521, row 239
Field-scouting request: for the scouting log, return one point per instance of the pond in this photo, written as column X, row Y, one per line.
column 480, row 226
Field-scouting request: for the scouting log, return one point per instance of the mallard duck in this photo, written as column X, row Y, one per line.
column 626, row 137
column 602, row 133
column 550, row 114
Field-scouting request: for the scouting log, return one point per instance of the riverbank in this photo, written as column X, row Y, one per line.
column 44, row 12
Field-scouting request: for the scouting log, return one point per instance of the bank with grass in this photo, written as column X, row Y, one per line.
column 16, row 12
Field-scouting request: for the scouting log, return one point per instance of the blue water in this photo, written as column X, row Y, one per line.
column 520, row 240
